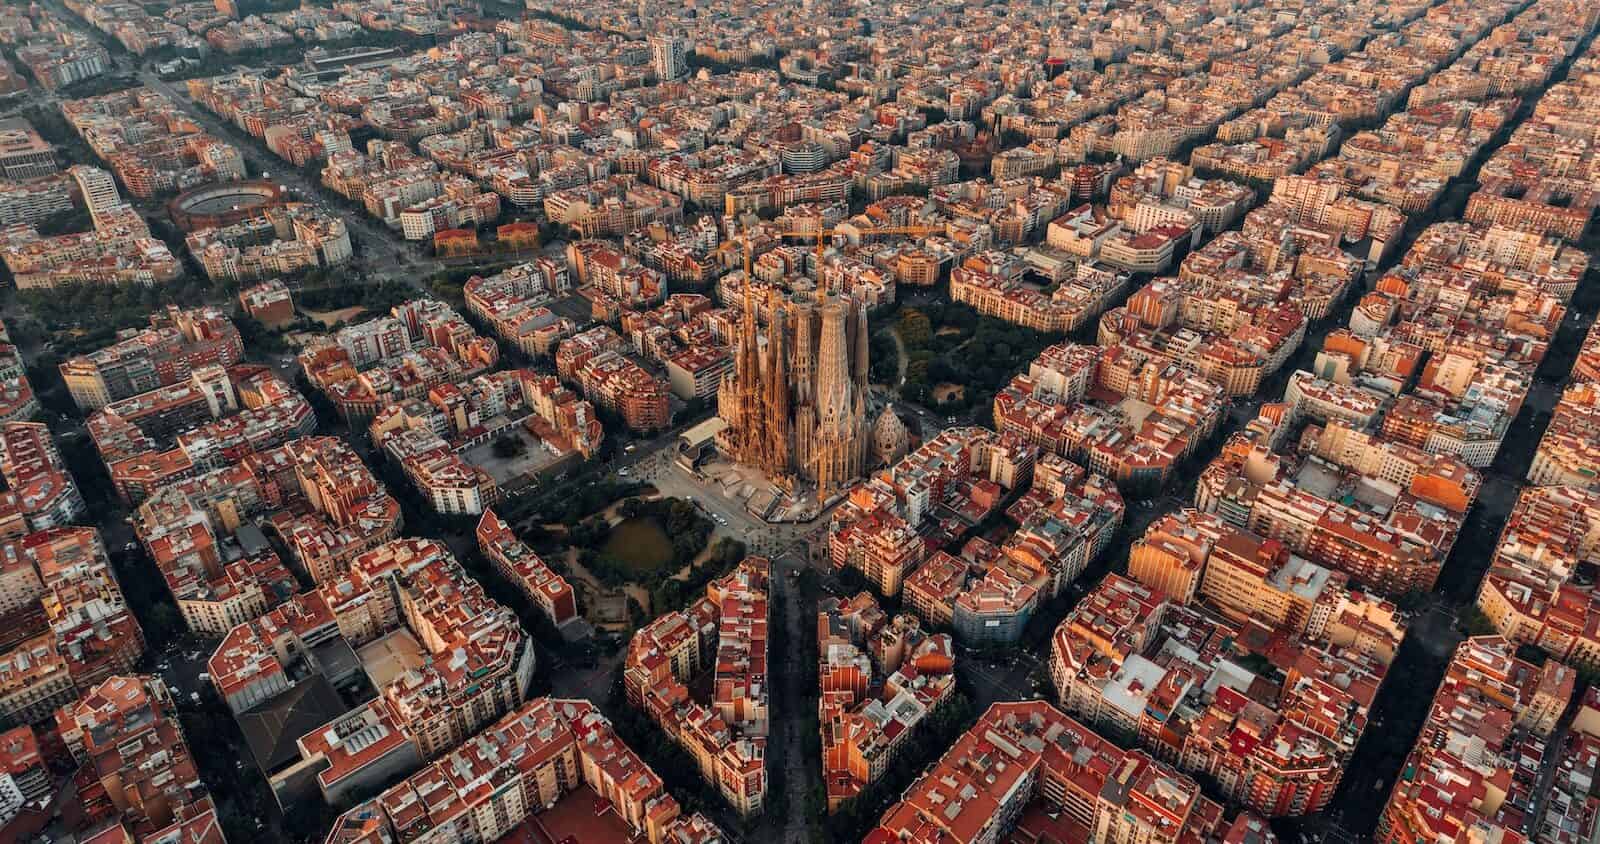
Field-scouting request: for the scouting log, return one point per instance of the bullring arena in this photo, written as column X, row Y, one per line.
column 222, row 204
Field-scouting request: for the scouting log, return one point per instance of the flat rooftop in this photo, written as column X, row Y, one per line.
column 537, row 457
column 1317, row 480
column 17, row 136
column 1136, row 411
column 581, row 817
column 390, row 657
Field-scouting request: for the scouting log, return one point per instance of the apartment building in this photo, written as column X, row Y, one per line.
column 559, row 416
column 1062, row 311
column 215, row 416
column 432, row 437
column 269, row 303
column 518, row 564
column 421, row 345
column 515, row 302
column 542, row 754
column 82, row 632
column 877, row 529
column 879, row 678
column 592, row 361
column 312, row 492
column 142, row 775
column 1228, row 333
column 143, row 139
column 725, row 633
column 282, row 240
column 1024, row 754
column 1476, row 759
column 445, row 658
column 176, row 343
column 119, row 250
column 1392, row 538
column 1129, row 660
column 39, row 486
column 1532, row 593
column 17, row 400
column 1056, row 405
column 23, row 153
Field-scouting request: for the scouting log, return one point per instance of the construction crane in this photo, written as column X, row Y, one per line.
column 823, row 233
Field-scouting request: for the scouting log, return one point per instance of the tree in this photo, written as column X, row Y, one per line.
column 940, row 371
column 1041, row 677
column 1412, row 600
column 885, row 358
column 164, row 622
column 1473, row 622
column 1533, row 654
column 852, row 580
column 588, row 534
column 727, row 553
column 914, row 328
column 508, row 447
column 1257, row 664
column 668, row 596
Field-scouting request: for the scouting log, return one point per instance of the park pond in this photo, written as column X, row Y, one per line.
column 640, row 543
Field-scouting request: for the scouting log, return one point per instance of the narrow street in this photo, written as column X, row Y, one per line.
column 1551, row 761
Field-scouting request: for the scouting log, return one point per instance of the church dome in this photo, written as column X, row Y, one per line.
column 890, row 439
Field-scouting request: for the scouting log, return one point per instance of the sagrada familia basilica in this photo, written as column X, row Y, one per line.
column 796, row 406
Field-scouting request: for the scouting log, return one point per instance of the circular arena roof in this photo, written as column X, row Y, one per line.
column 222, row 203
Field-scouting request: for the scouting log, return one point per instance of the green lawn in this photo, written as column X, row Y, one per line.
column 640, row 543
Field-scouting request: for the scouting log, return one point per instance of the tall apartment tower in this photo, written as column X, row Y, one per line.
column 669, row 56
column 98, row 188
